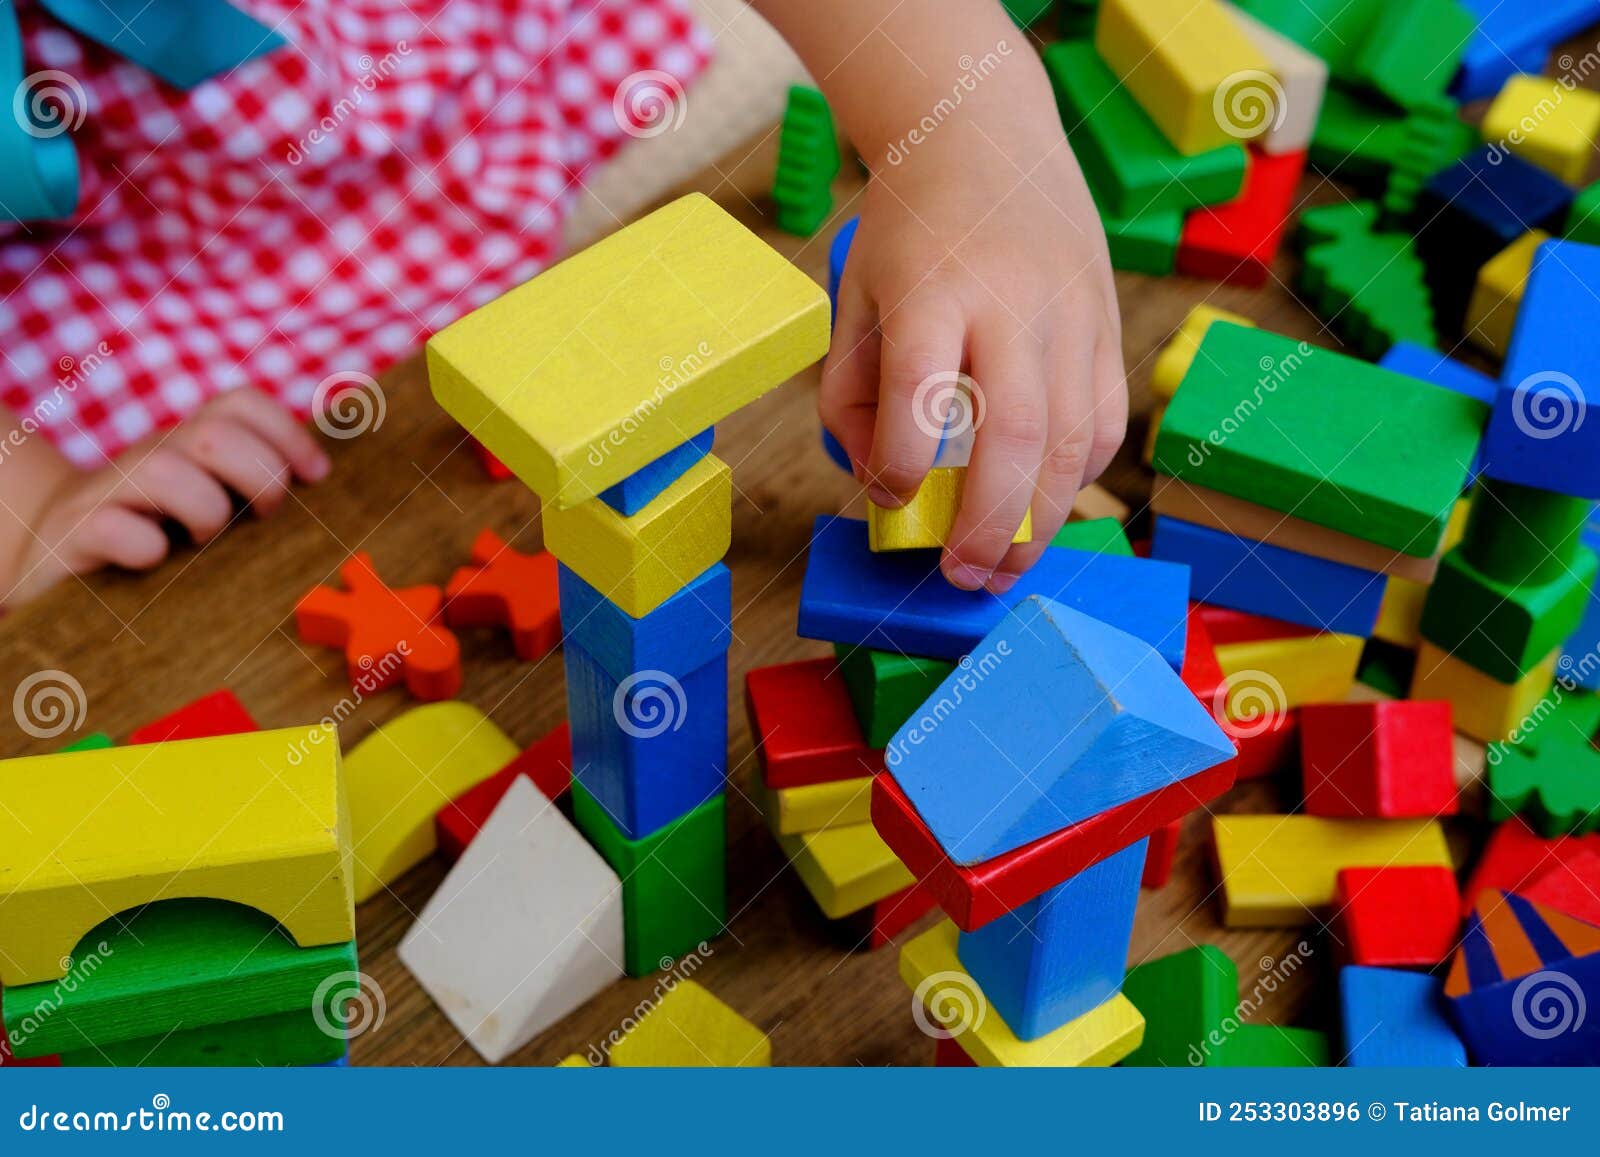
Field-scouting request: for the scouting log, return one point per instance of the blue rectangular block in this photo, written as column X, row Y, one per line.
column 649, row 748
column 1395, row 1019
column 1243, row 575
column 898, row 601
column 1540, row 433
column 1062, row 953
column 642, row 487
column 1515, row 37
column 683, row 634
column 1053, row 718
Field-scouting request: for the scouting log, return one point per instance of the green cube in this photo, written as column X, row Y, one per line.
column 674, row 880
column 886, row 688
column 1100, row 535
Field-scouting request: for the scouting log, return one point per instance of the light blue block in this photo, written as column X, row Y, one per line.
column 650, row 748
column 645, row 484
column 898, row 600
column 1228, row 571
column 838, row 252
column 1396, row 1019
column 1055, row 718
column 683, row 634
column 1062, row 953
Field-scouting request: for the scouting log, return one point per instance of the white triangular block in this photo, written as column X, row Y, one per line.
column 525, row 928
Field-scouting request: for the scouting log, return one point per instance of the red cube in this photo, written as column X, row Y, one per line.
column 1378, row 760
column 1398, row 917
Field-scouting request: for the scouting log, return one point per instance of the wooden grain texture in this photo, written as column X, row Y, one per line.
column 413, row 493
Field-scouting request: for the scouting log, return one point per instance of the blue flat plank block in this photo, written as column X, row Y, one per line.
column 683, row 634
column 1501, row 192
column 649, row 748
column 1062, row 953
column 1055, row 717
column 898, row 601
column 1396, row 1019
column 1540, row 431
column 1243, row 575
column 1419, row 361
column 645, row 484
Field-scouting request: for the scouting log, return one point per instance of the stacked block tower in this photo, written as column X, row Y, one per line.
column 154, row 912
column 598, row 384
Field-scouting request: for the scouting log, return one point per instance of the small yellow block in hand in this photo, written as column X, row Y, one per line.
column 928, row 518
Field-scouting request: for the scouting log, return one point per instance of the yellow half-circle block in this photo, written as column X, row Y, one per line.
column 403, row 773
column 641, row 561
column 258, row 819
column 930, row 515
column 932, row 970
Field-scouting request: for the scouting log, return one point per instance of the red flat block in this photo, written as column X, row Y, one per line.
column 1571, row 885
column 804, row 726
column 1237, row 242
column 548, row 763
column 218, row 713
column 1515, row 858
column 1387, row 760
column 892, row 915
column 1201, row 672
column 948, row 1054
column 1230, row 626
column 507, row 588
column 1267, row 744
column 1160, row 854
column 978, row 893
column 1397, row 917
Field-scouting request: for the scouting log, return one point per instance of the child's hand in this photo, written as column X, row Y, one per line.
column 981, row 251
column 241, row 442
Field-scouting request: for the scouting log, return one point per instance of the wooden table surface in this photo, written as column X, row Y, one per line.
column 411, row 493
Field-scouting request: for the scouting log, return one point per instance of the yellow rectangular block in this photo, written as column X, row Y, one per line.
column 1175, row 357
column 792, row 811
column 1184, row 60
column 1279, row 871
column 1497, row 294
column 1547, row 124
column 1288, row 672
column 928, row 518
column 639, row 562
column 951, row 999
column 845, row 869
column 258, row 819
column 601, row 364
column 690, row 1028
column 1484, row 708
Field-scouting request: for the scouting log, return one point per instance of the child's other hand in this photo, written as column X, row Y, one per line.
column 241, row 442
column 981, row 250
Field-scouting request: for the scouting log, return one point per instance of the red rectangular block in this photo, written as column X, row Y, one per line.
column 1515, row 857
column 548, row 763
column 804, row 725
column 978, row 893
column 1267, row 743
column 1386, row 760
column 1201, row 672
column 1398, row 916
column 219, row 713
column 1159, row 855
column 1237, row 242
column 1570, row 885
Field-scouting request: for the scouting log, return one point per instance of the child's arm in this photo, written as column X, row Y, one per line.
column 979, row 249
column 57, row 520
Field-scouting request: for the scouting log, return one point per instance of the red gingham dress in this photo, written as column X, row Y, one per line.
column 319, row 210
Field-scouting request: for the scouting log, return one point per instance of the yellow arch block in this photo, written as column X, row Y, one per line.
column 258, row 819
column 403, row 773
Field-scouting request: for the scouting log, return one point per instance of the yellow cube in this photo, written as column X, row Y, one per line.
column 1484, row 708
column 1547, row 124
column 1497, row 294
column 928, row 518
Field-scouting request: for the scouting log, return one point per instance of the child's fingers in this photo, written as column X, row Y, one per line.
column 1110, row 407
column 919, row 361
column 848, row 401
column 278, row 428
column 163, row 481
column 1006, row 455
column 245, row 463
column 118, row 536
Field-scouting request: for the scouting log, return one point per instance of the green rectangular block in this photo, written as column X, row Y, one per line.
column 1131, row 167
column 1412, row 49
column 94, row 741
column 1328, row 438
column 1100, row 535
column 1185, row 999
column 674, row 880
column 288, row 1039
column 176, row 964
column 1268, row 1046
column 886, row 688
column 1147, row 243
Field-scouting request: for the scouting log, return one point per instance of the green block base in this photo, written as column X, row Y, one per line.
column 674, row 880
column 887, row 689
column 1583, row 220
column 290, row 1039
column 1100, row 535
column 1503, row 630
column 1387, row 667
column 1267, row 1046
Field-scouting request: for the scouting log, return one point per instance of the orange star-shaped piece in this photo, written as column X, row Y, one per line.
column 386, row 634
column 507, row 588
